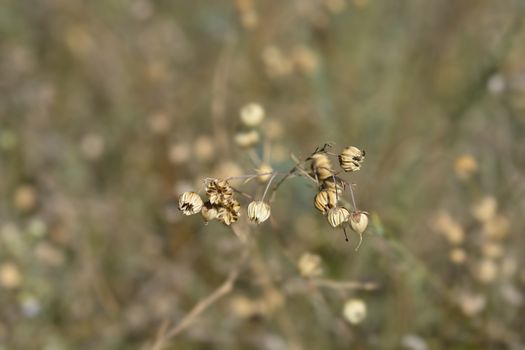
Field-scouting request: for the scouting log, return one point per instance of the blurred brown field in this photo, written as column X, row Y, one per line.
column 111, row 109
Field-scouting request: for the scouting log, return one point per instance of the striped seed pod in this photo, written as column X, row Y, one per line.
column 325, row 200
column 190, row 203
column 258, row 211
column 338, row 216
column 322, row 166
column 229, row 213
column 219, row 191
column 351, row 158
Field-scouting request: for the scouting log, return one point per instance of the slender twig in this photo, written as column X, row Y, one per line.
column 225, row 288
column 355, row 285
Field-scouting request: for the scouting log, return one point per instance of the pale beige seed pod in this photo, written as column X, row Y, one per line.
column 338, row 216
column 325, row 200
column 190, row 203
column 209, row 212
column 351, row 158
column 258, row 211
column 247, row 138
column 229, row 213
column 218, row 191
column 252, row 114
column 359, row 221
column 265, row 169
column 322, row 166
column 354, row 311
column 310, row 265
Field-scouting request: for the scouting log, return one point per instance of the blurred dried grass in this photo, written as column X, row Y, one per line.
column 110, row 108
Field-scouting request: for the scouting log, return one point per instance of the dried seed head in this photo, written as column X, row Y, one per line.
column 351, row 158
column 190, row 203
column 209, row 211
column 229, row 213
column 219, row 191
column 325, row 200
column 354, row 311
column 247, row 138
column 310, row 265
column 322, row 166
column 338, row 216
column 359, row 221
column 252, row 114
column 258, row 211
column 265, row 168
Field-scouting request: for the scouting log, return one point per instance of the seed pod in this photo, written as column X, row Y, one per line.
column 354, row 311
column 229, row 213
column 322, row 166
column 190, row 203
column 252, row 114
column 258, row 211
column 351, row 158
column 338, row 216
column 265, row 168
column 359, row 221
column 219, row 191
column 209, row 212
column 310, row 265
column 324, row 200
column 247, row 138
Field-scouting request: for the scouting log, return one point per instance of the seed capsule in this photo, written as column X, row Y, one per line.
column 322, row 166
column 247, row 139
column 324, row 200
column 258, row 211
column 219, row 191
column 351, row 158
column 209, row 212
column 190, row 203
column 354, row 311
column 338, row 216
column 229, row 213
column 252, row 114
column 359, row 221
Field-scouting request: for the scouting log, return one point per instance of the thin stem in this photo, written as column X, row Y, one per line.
column 268, row 186
column 353, row 198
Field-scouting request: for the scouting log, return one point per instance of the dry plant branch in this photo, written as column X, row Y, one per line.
column 354, row 285
column 164, row 336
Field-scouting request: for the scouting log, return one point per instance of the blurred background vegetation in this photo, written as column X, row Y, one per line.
column 110, row 109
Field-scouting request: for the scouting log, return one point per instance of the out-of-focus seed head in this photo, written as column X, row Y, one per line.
column 218, row 191
column 457, row 256
column 252, row 114
column 338, row 216
column 354, row 311
column 247, row 138
column 465, row 166
column 265, row 169
column 325, row 200
column 190, row 203
column 258, row 211
column 209, row 211
column 351, row 158
column 310, row 265
column 229, row 213
column 359, row 221
column 322, row 166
